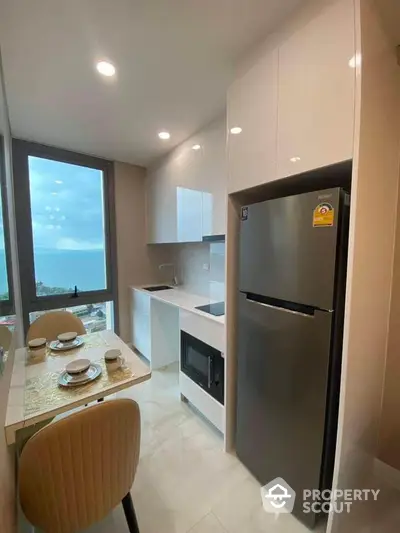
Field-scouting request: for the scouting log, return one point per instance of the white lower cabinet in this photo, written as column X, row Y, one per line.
column 141, row 337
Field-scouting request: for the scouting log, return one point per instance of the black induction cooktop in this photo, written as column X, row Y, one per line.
column 217, row 309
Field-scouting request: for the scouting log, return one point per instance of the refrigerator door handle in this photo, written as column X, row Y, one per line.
column 283, row 309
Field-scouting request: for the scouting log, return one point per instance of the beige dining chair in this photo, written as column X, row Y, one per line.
column 5, row 337
column 51, row 324
column 75, row 471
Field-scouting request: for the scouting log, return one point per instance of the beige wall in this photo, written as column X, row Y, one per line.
column 137, row 262
column 7, row 472
column 389, row 444
column 371, row 256
column 7, row 480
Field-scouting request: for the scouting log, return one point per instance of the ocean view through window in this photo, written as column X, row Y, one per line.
column 68, row 227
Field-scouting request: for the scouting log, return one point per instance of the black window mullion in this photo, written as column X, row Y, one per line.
column 6, row 306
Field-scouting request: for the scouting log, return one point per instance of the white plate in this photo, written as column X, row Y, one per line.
column 66, row 380
column 78, row 366
column 58, row 346
column 69, row 336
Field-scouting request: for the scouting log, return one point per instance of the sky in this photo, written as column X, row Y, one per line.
column 67, row 206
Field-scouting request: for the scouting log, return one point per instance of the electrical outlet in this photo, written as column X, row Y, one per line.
column 206, row 266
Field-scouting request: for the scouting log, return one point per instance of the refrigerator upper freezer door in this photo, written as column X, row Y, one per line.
column 288, row 248
column 283, row 361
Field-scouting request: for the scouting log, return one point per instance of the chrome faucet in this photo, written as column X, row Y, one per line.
column 174, row 282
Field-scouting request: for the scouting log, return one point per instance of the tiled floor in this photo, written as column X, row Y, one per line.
column 185, row 482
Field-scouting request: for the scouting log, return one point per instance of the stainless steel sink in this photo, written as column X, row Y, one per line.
column 157, row 288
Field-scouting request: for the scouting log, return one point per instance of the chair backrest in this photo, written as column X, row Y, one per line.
column 73, row 472
column 51, row 324
column 5, row 337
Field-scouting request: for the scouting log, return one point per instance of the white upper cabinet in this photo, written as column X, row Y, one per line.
column 252, row 106
column 186, row 192
column 316, row 92
column 213, row 175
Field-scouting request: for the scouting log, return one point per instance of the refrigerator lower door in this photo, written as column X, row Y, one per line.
column 283, row 367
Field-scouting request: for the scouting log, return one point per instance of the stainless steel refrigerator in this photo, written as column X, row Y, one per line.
column 293, row 256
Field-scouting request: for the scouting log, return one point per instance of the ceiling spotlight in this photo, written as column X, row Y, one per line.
column 236, row 130
column 105, row 68
column 294, row 159
column 164, row 135
column 196, row 147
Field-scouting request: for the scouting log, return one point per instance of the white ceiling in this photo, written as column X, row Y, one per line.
column 174, row 62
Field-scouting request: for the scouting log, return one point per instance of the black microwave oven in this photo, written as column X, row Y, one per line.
column 204, row 365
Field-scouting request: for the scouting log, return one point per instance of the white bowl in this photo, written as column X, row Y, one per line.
column 37, row 343
column 112, row 355
column 67, row 337
column 78, row 366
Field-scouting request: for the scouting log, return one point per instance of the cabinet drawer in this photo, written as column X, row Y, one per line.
column 204, row 329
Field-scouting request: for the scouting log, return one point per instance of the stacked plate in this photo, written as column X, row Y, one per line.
column 79, row 372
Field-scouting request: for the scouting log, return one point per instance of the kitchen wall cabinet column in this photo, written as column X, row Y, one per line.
column 316, row 92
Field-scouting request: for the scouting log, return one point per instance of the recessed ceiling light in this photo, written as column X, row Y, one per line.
column 236, row 130
column 196, row 147
column 294, row 159
column 59, row 182
column 355, row 61
column 164, row 135
column 105, row 68
column 54, row 193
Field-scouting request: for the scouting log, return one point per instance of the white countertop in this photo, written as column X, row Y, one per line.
column 179, row 297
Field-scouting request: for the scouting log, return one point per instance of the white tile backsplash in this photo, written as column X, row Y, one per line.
column 201, row 268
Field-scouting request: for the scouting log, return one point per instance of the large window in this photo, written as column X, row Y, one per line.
column 67, row 212
column 66, row 238
column 6, row 307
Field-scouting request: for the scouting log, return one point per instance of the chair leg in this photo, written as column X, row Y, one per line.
column 130, row 514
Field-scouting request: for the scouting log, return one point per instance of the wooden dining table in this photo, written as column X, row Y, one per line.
column 36, row 396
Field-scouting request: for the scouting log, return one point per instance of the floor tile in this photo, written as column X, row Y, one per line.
column 186, row 483
column 208, row 524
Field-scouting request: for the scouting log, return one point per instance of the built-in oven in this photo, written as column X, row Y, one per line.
column 204, row 365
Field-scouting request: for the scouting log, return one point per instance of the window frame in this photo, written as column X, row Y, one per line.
column 6, row 306
column 22, row 150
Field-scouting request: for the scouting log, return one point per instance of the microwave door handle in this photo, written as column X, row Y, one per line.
column 210, row 369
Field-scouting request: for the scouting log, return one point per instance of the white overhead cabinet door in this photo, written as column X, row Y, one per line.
column 252, row 107
column 316, row 92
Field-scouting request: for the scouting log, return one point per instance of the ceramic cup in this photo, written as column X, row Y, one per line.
column 114, row 364
column 37, row 348
column 112, row 355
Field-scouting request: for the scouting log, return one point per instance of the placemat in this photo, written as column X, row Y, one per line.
column 43, row 392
